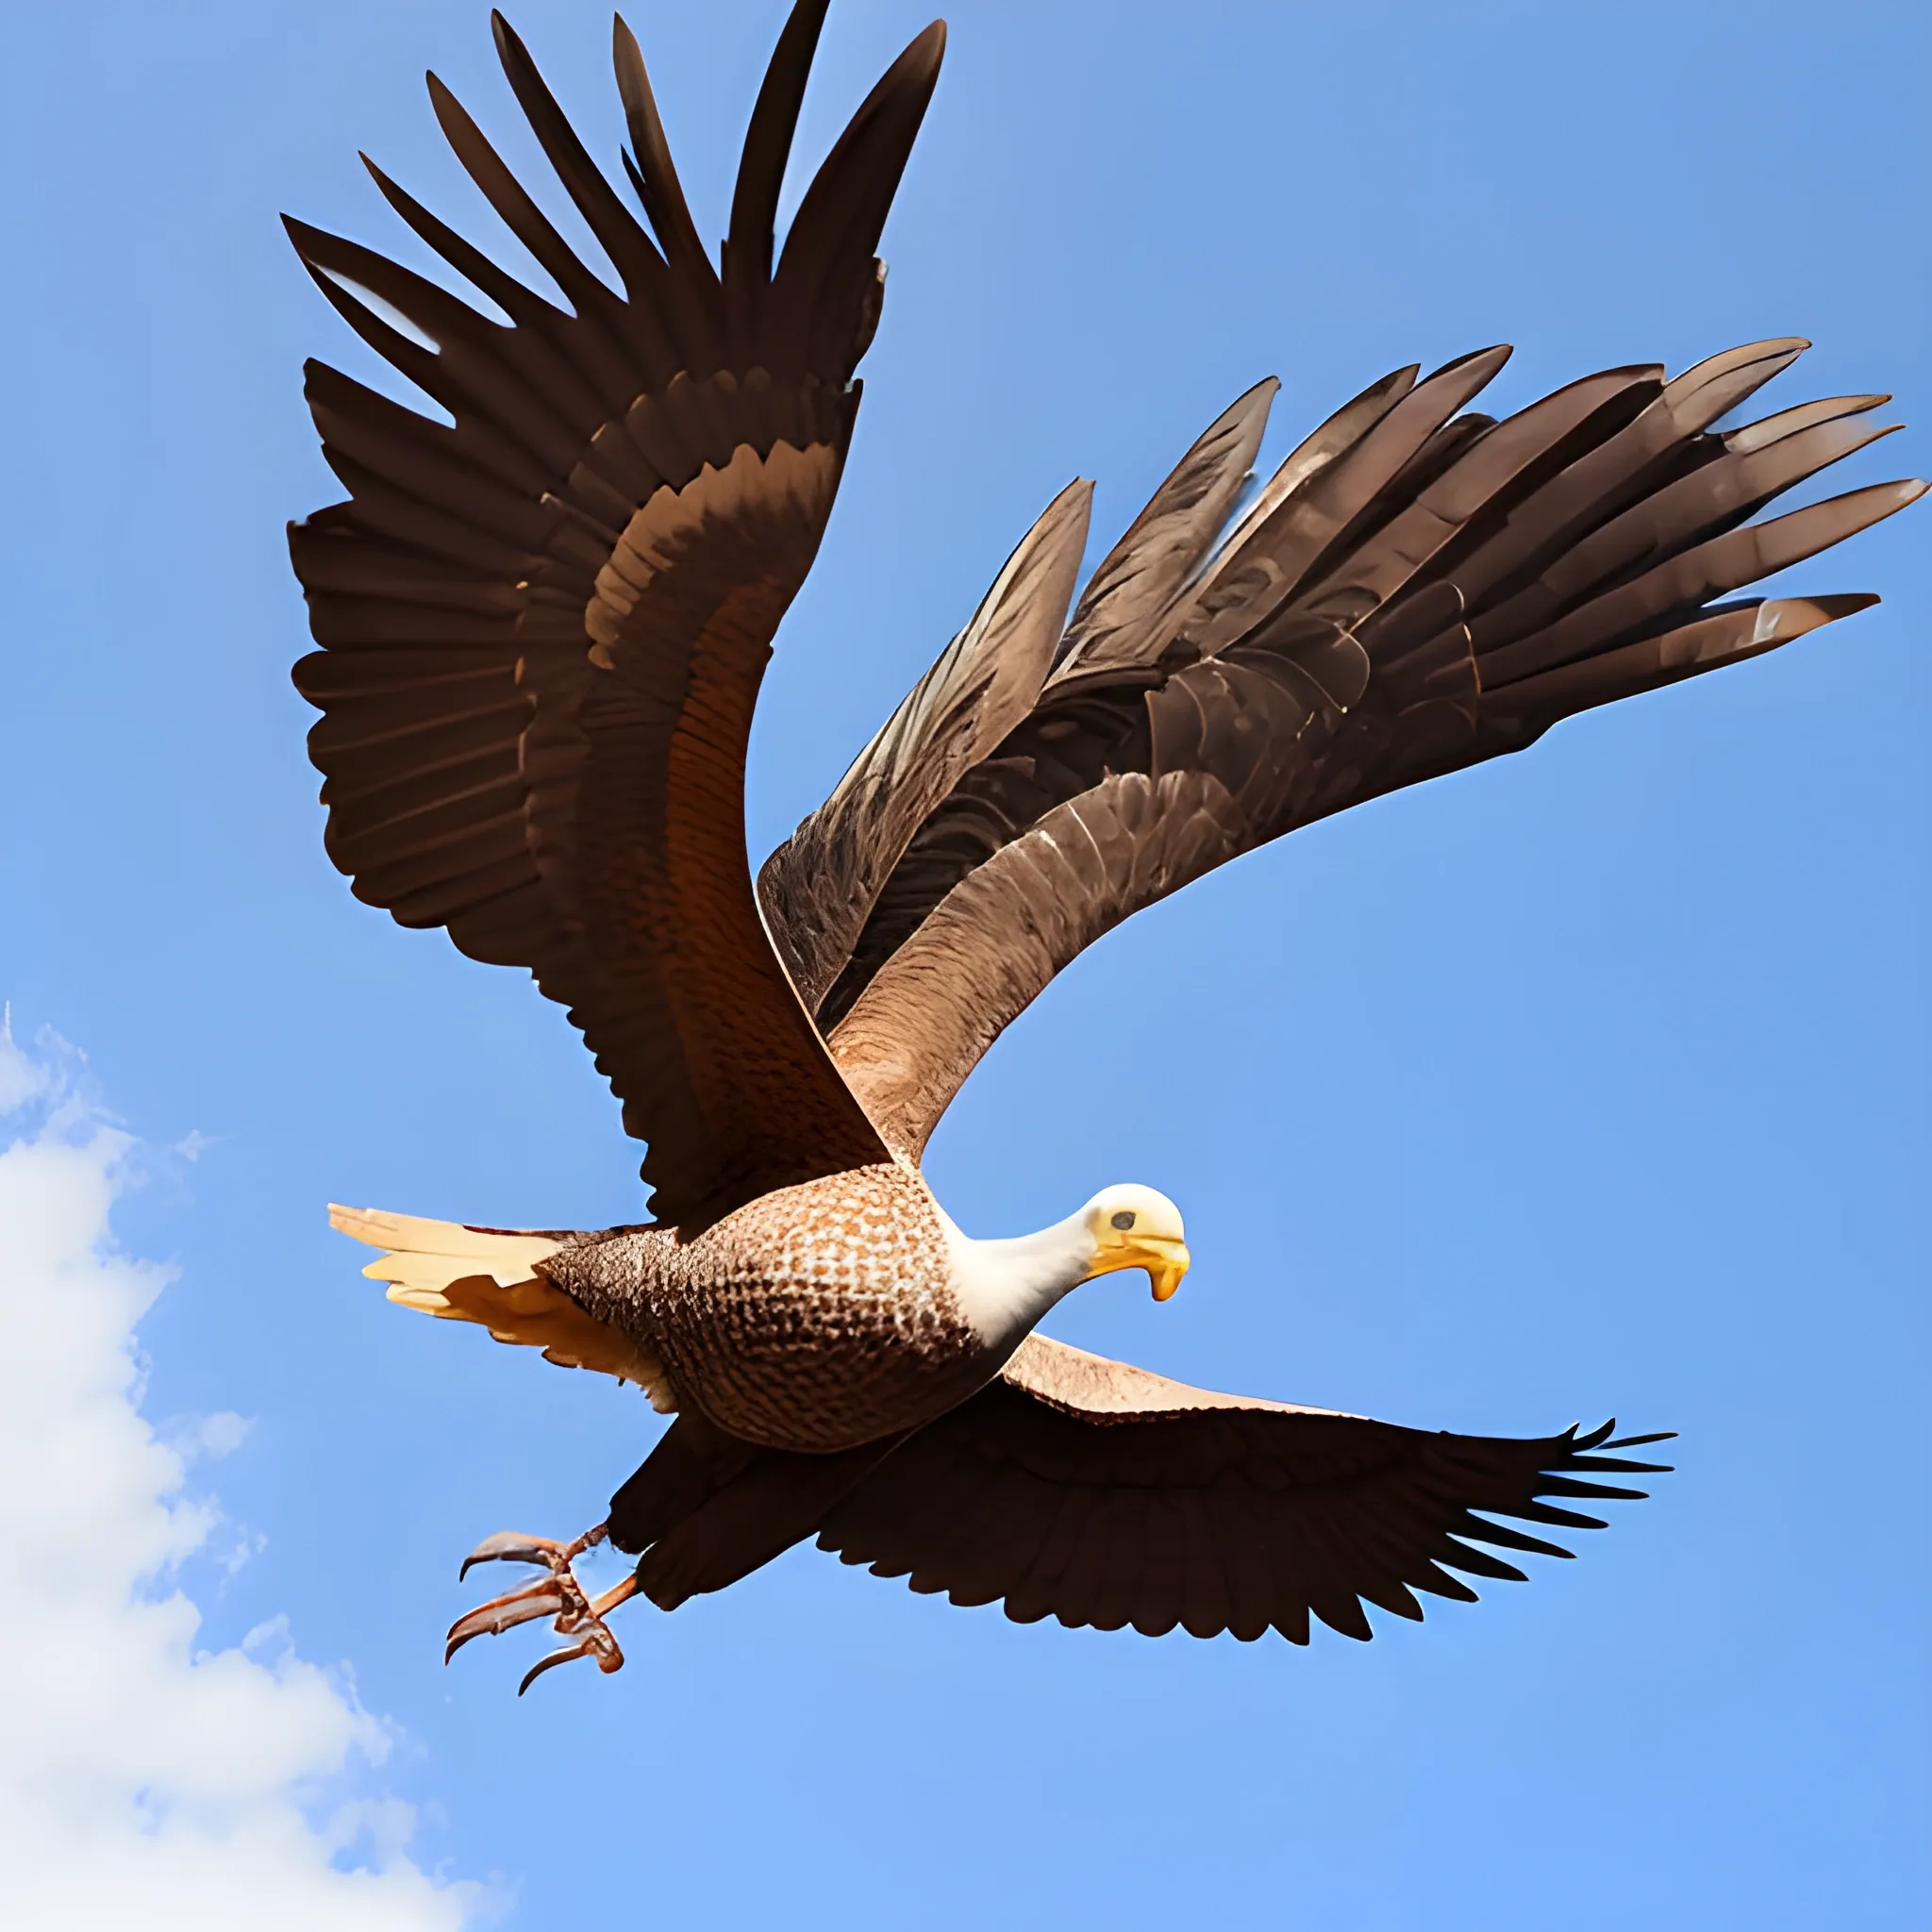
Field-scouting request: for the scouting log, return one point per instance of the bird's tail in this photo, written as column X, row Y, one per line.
column 494, row 1277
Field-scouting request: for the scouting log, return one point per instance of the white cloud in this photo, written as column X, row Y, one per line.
column 20, row 1078
column 144, row 1782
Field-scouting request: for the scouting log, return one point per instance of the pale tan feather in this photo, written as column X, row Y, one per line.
column 491, row 1278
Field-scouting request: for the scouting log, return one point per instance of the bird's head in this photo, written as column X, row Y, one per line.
column 1137, row 1227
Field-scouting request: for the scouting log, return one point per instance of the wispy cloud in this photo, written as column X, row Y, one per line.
column 142, row 1781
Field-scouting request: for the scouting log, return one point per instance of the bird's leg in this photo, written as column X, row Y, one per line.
column 558, row 1594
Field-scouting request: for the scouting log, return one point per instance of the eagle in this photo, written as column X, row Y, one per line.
column 542, row 617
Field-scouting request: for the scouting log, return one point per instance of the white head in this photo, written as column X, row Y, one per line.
column 1006, row 1286
column 1136, row 1227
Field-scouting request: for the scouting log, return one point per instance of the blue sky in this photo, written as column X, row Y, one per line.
column 1594, row 1081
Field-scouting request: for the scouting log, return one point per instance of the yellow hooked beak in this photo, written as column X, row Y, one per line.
column 1166, row 1262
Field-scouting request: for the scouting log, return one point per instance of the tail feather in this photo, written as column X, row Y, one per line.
column 492, row 1277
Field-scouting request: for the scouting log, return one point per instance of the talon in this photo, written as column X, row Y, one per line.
column 543, row 1598
column 606, row 1652
column 511, row 1546
column 596, row 1641
column 558, row 1595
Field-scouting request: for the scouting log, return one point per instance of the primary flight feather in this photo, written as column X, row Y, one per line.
column 542, row 629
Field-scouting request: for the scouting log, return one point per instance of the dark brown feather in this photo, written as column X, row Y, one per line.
column 1151, row 1503
column 544, row 624
column 1413, row 591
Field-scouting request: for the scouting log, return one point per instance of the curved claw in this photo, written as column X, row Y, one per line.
column 597, row 1642
column 547, row 1597
column 512, row 1546
column 558, row 1594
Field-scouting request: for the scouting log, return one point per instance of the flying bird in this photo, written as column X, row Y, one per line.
column 542, row 624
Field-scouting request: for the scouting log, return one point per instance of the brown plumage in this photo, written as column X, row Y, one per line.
column 1415, row 591
column 1256, row 1513
column 542, row 629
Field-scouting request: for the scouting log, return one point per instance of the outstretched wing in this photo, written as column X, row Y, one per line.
column 818, row 887
column 1416, row 589
column 544, row 624
column 822, row 887
column 1086, row 1490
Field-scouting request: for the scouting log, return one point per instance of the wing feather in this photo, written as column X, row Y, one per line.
column 819, row 887
column 1414, row 591
column 543, row 623
column 1144, row 1501
column 1007, row 928
column 1121, row 619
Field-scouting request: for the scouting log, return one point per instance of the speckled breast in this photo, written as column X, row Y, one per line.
column 818, row 1317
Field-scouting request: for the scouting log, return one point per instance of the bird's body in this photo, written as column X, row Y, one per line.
column 543, row 623
column 815, row 1318
column 818, row 1317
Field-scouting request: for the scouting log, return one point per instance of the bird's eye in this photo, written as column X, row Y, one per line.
column 1124, row 1221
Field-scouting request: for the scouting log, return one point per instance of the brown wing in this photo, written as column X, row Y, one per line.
column 543, row 623
column 1416, row 589
column 1086, row 1490
column 818, row 887
column 989, row 946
